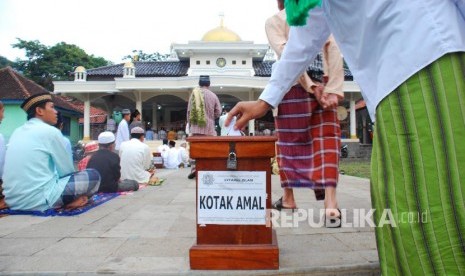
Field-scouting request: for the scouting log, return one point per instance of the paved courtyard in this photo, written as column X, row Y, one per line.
column 149, row 232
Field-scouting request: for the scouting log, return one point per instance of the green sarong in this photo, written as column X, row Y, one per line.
column 418, row 172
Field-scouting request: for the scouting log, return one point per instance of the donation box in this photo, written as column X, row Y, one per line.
column 233, row 198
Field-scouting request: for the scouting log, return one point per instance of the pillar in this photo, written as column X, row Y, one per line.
column 353, row 122
column 154, row 116
column 139, row 107
column 87, row 119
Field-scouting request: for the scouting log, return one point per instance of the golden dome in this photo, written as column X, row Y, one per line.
column 221, row 34
column 129, row 64
column 79, row 69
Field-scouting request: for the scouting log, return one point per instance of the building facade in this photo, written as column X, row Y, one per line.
column 239, row 71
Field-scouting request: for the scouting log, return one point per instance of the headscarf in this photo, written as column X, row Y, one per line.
column 297, row 11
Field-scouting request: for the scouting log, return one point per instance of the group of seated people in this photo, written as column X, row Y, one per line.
column 39, row 173
column 123, row 172
column 173, row 134
column 173, row 157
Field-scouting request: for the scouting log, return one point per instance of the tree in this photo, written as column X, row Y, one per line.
column 4, row 62
column 141, row 56
column 45, row 64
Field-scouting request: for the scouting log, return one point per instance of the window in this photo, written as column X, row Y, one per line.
column 244, row 62
column 233, row 62
column 208, row 62
column 197, row 62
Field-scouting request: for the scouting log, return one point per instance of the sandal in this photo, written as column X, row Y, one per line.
column 278, row 205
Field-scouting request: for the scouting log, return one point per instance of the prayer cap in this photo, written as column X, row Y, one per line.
column 138, row 130
column 91, row 147
column 36, row 99
column 106, row 137
column 204, row 80
column 126, row 111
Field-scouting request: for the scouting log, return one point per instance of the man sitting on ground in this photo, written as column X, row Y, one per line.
column 172, row 157
column 184, row 155
column 136, row 158
column 39, row 174
column 106, row 162
column 163, row 150
column 89, row 150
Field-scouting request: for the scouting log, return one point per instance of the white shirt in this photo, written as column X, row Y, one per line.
column 183, row 155
column 122, row 134
column 135, row 160
column 172, row 159
column 383, row 42
column 163, row 150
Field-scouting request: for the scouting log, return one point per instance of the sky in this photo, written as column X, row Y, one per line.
column 113, row 28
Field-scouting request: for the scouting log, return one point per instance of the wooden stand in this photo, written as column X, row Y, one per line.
column 233, row 247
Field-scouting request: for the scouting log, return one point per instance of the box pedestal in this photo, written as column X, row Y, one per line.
column 234, row 246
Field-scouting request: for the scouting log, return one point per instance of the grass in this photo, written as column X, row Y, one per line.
column 355, row 168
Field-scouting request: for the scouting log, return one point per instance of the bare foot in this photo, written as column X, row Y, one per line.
column 3, row 204
column 333, row 213
column 78, row 202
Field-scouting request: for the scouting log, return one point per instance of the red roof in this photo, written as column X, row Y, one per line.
column 97, row 115
column 14, row 86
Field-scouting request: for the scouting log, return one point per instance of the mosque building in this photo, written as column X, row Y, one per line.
column 239, row 71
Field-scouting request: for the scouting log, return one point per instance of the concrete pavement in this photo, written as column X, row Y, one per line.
column 150, row 232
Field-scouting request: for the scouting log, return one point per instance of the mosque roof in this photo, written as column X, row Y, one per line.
column 180, row 68
column 221, row 34
column 143, row 69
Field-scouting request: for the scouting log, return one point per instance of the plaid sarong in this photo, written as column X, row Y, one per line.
column 308, row 142
column 418, row 172
column 85, row 182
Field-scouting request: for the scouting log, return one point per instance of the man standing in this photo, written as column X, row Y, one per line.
column 136, row 158
column 136, row 120
column 408, row 58
column 39, row 174
column 107, row 163
column 308, row 134
column 111, row 124
column 122, row 134
column 203, row 108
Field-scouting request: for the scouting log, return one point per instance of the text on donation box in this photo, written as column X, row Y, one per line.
column 231, row 197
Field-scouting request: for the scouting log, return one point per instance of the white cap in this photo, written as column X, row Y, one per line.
column 106, row 137
column 137, row 130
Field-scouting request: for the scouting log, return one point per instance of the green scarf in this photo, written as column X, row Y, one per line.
column 297, row 11
column 197, row 113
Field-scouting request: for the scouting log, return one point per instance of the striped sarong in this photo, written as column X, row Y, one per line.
column 308, row 142
column 418, row 172
column 81, row 183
